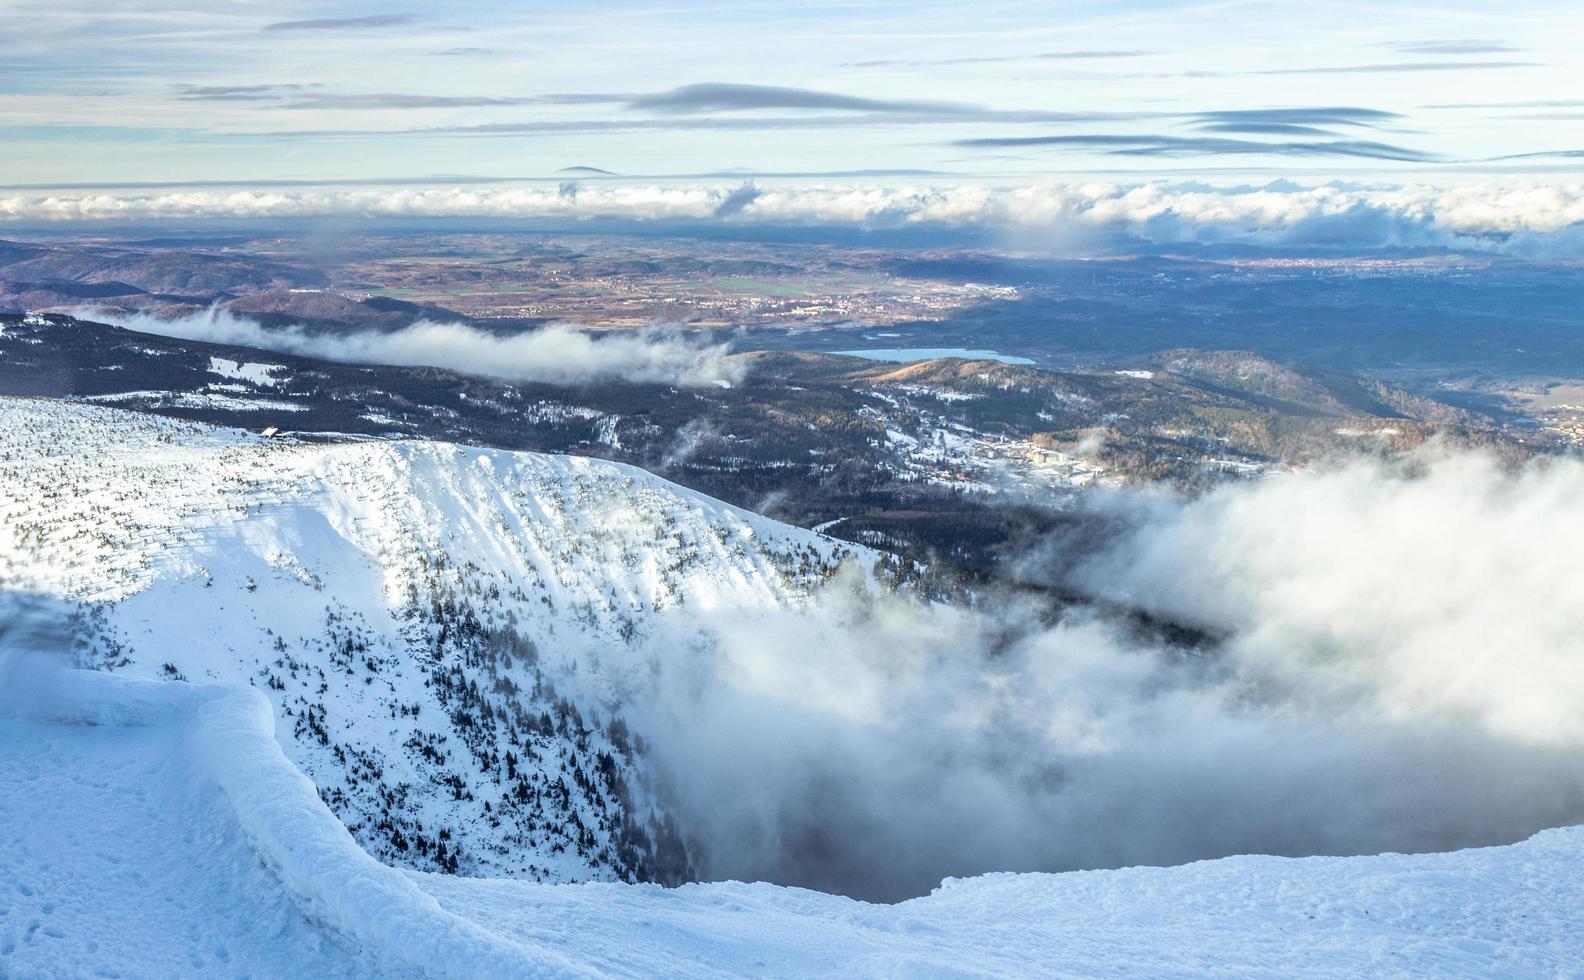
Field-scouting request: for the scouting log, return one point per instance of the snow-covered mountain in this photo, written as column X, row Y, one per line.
column 316, row 679
column 448, row 636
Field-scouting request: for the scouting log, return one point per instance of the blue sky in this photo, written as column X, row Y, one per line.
column 108, row 91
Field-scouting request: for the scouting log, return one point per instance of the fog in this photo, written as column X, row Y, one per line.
column 34, row 651
column 1397, row 663
column 555, row 354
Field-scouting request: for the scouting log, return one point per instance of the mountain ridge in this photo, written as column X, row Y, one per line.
column 448, row 634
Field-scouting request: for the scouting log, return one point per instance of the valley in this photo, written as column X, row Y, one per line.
column 952, row 463
column 875, row 490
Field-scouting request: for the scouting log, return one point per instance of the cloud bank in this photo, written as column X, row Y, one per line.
column 1519, row 217
column 556, row 354
column 1400, row 668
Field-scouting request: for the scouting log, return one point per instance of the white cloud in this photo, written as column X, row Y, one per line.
column 1402, row 668
column 1511, row 216
column 1441, row 596
column 555, row 354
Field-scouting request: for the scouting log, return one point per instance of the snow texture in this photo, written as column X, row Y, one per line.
column 260, row 375
column 156, row 829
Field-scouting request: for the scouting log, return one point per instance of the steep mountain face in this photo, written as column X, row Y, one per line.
column 449, row 636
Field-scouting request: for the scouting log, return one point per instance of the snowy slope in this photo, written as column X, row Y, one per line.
column 172, row 838
column 1503, row 911
column 114, row 857
column 448, row 635
column 405, row 658
column 192, row 846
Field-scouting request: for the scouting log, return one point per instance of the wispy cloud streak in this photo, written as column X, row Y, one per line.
column 341, row 23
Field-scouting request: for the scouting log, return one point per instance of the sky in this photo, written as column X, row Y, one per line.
column 107, row 92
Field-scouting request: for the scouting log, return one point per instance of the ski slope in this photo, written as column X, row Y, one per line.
column 153, row 829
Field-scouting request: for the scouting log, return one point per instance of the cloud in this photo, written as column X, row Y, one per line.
column 724, row 97
column 953, row 114
column 237, row 93
column 1148, row 145
column 1300, row 116
column 341, row 23
column 1521, row 217
column 588, row 98
column 305, row 96
column 1082, row 55
column 1403, row 66
column 1366, row 69
column 556, row 354
column 1266, row 129
column 35, row 649
column 393, row 100
column 1545, row 154
column 1463, row 46
column 737, row 200
column 1530, row 104
column 722, row 123
column 1345, row 582
column 1376, row 683
column 1301, row 121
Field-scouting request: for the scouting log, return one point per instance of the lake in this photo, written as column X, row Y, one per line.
column 906, row 355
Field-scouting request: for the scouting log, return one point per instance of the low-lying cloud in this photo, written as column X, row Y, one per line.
column 555, row 354
column 1398, row 666
column 1524, row 217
